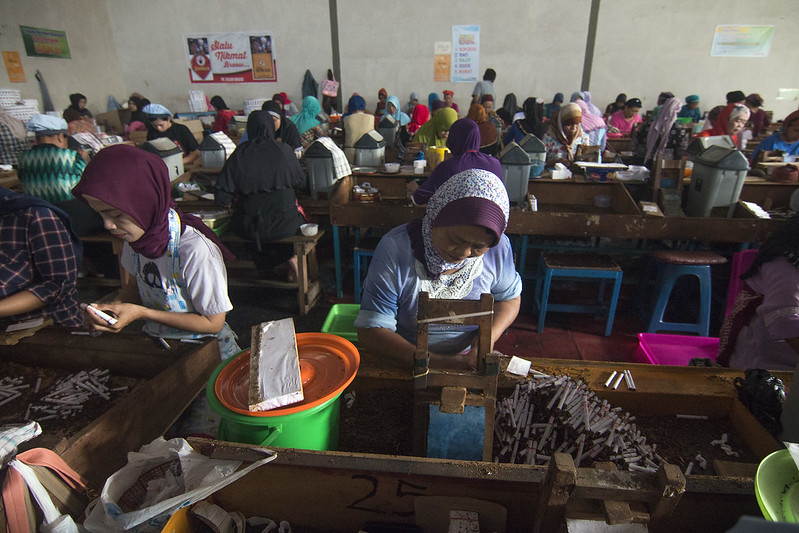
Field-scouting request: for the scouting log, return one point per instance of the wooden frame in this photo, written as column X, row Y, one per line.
column 662, row 165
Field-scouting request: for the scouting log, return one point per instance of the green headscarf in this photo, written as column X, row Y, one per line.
column 441, row 121
column 306, row 119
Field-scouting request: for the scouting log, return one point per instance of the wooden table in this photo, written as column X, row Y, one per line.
column 171, row 380
column 362, row 486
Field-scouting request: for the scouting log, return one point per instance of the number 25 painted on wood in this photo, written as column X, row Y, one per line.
column 401, row 485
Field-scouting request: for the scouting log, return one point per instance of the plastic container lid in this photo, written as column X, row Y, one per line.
column 328, row 364
column 777, row 487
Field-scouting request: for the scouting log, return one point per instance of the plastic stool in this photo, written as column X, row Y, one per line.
column 569, row 265
column 671, row 265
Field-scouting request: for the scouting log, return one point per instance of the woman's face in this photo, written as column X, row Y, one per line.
column 390, row 108
column 736, row 126
column 82, row 103
column 119, row 224
column 160, row 125
column 443, row 134
column 791, row 133
column 132, row 106
column 382, row 97
column 456, row 243
column 447, row 99
column 488, row 105
column 571, row 129
column 276, row 121
column 630, row 112
column 693, row 105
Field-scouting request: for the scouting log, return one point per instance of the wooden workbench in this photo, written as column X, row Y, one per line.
column 171, row 379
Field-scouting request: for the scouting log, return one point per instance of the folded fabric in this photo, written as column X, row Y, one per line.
column 341, row 167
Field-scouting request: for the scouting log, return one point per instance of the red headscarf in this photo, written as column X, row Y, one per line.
column 420, row 115
column 285, row 98
column 137, row 183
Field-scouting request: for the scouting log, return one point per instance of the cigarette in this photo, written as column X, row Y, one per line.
column 610, row 379
column 163, row 343
column 79, row 333
column 38, row 384
column 102, row 314
column 628, row 377
column 192, row 341
column 618, row 381
column 692, row 417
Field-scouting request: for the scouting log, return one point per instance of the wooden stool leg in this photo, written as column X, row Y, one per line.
column 302, row 277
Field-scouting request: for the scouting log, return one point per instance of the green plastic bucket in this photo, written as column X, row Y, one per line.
column 311, row 428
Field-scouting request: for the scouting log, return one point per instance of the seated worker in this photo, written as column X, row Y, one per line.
column 564, row 135
column 617, row 105
column 308, row 126
column 419, row 117
column 621, row 122
column 258, row 181
column 757, row 116
column 448, row 100
column 138, row 119
column 40, row 260
column 662, row 97
column 13, row 139
column 691, row 109
column 175, row 277
column 413, row 99
column 533, row 122
column 458, row 250
column 786, row 140
column 593, row 126
column 382, row 96
column 223, row 115
column 434, row 132
column 77, row 110
column 285, row 130
column 762, row 329
column 161, row 125
column 485, row 87
column 553, row 107
column 489, row 138
column 289, row 108
column 356, row 123
column 731, row 121
column 464, row 143
column 50, row 170
column 654, row 139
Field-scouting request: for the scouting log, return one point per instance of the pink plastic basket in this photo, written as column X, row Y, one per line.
column 675, row 350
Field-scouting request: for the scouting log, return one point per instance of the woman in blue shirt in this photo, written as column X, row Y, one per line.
column 786, row 140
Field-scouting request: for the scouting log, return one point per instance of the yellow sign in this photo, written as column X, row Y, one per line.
column 442, row 67
column 14, row 67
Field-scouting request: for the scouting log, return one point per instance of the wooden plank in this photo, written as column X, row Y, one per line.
column 558, row 487
column 615, row 511
column 672, row 484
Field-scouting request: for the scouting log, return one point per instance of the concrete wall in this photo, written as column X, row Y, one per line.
column 537, row 47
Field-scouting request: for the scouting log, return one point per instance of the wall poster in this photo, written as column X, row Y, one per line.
column 465, row 53
column 16, row 74
column 442, row 51
column 41, row 42
column 236, row 57
column 742, row 41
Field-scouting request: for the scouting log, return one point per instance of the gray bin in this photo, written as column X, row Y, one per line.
column 515, row 172
column 319, row 166
column 388, row 129
column 716, row 181
column 370, row 150
column 214, row 153
column 169, row 152
column 537, row 151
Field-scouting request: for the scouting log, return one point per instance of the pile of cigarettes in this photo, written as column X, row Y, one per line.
column 551, row 414
column 11, row 389
column 67, row 396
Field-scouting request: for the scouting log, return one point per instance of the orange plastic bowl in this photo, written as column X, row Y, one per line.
column 328, row 364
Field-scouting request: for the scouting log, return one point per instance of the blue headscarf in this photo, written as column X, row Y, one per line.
column 306, row 119
column 399, row 116
column 432, row 97
column 355, row 103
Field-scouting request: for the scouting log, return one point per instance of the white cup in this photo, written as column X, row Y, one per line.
column 419, row 163
column 309, row 230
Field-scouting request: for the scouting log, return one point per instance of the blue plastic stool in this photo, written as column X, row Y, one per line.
column 570, row 265
column 361, row 255
column 671, row 265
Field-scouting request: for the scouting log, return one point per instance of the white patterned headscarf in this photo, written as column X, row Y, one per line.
column 473, row 197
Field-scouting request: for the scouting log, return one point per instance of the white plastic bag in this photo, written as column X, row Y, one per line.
column 196, row 478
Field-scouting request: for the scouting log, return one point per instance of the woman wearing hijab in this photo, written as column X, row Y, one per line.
column 652, row 139
column 136, row 103
column 785, row 140
column 464, row 143
column 533, row 122
column 77, row 110
column 176, row 279
column 691, row 109
column 160, row 123
column 393, row 110
column 382, row 96
column 356, row 123
column 289, row 109
column 489, row 140
column 438, row 105
column 616, row 105
column 593, row 109
column 762, row 328
column 223, row 114
column 285, row 130
column 413, row 99
column 435, row 131
column 431, row 99
column 13, row 139
column 565, row 134
column 306, row 121
column 420, row 116
column 551, row 109
column 731, row 121
column 662, row 97
column 258, row 181
column 621, row 122
column 593, row 126
column 458, row 250
column 757, row 116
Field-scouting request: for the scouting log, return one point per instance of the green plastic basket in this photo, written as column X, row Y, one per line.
column 340, row 320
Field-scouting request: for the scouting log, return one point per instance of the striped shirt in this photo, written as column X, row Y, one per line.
column 37, row 255
column 49, row 172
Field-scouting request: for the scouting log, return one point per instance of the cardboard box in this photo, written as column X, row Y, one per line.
column 138, row 137
column 195, row 126
column 650, row 208
column 113, row 121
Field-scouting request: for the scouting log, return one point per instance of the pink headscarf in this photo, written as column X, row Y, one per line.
column 658, row 134
column 590, row 122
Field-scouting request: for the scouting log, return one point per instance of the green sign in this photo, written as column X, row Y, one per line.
column 41, row 42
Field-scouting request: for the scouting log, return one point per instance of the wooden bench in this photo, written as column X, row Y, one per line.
column 242, row 272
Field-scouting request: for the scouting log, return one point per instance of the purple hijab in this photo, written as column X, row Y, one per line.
column 473, row 197
column 137, row 183
column 464, row 143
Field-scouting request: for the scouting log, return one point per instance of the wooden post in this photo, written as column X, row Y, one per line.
column 615, row 511
column 672, row 484
column 558, row 487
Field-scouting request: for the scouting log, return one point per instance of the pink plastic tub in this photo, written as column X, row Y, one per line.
column 674, row 350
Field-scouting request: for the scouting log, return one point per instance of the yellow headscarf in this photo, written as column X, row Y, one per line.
column 429, row 132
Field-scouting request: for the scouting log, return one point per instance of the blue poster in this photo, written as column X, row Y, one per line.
column 465, row 53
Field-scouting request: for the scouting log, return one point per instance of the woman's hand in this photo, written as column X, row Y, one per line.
column 124, row 313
